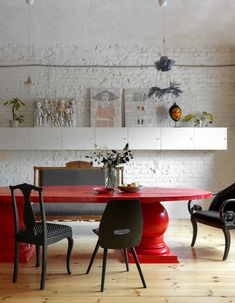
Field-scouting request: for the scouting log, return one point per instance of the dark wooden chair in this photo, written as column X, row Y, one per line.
column 120, row 228
column 221, row 214
column 38, row 233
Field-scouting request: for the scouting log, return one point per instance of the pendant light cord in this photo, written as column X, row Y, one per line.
column 163, row 32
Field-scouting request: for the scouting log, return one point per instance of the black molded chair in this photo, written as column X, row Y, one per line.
column 120, row 228
column 38, row 233
column 221, row 214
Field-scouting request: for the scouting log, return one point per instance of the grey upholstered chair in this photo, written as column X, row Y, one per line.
column 56, row 176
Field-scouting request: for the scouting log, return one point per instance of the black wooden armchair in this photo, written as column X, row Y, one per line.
column 221, row 214
column 38, row 233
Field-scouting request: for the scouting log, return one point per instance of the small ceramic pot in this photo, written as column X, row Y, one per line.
column 14, row 123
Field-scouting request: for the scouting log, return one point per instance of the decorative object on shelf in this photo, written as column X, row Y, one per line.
column 175, row 112
column 139, row 111
column 111, row 159
column 204, row 119
column 15, row 105
column 106, row 107
column 55, row 113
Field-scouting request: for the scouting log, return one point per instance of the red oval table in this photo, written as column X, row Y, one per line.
column 152, row 248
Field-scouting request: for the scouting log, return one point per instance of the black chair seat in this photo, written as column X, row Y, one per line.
column 55, row 233
column 53, row 229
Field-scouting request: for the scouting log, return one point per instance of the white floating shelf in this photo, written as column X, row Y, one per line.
column 139, row 138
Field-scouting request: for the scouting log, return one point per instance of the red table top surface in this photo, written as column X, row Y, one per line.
column 88, row 194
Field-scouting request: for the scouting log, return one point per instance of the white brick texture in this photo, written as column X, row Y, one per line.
column 210, row 89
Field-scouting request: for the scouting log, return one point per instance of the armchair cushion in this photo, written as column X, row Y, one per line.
column 209, row 217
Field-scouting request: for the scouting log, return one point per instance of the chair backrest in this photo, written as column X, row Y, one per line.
column 69, row 176
column 121, row 224
column 28, row 213
column 227, row 193
column 81, row 164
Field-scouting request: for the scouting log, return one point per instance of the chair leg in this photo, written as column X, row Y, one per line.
column 227, row 243
column 194, row 224
column 44, row 266
column 126, row 259
column 37, row 255
column 103, row 269
column 70, row 247
column 16, row 261
column 138, row 266
column 93, row 257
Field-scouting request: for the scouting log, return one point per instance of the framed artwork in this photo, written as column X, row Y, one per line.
column 139, row 109
column 106, row 107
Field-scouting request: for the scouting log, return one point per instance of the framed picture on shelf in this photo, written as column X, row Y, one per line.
column 139, row 109
column 106, row 107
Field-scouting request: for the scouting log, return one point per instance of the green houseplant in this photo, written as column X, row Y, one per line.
column 15, row 105
column 199, row 119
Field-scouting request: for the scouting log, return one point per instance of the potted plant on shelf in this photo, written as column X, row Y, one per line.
column 15, row 104
column 200, row 119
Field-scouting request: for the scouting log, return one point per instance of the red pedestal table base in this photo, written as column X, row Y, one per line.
column 152, row 248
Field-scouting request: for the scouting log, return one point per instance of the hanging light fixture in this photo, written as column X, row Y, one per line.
column 163, row 2
column 172, row 90
column 29, row 2
column 164, row 64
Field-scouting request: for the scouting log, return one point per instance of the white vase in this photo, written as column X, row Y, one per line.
column 14, row 123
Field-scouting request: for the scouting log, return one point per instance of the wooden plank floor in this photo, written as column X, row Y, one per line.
column 200, row 276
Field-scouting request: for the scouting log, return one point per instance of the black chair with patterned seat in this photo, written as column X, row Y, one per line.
column 221, row 214
column 40, row 233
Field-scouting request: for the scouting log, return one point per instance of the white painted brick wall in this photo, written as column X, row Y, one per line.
column 210, row 89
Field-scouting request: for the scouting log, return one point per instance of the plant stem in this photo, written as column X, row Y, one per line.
column 13, row 112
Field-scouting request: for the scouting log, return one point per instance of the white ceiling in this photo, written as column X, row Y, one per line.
column 188, row 22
